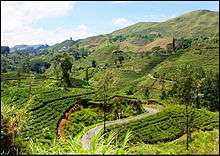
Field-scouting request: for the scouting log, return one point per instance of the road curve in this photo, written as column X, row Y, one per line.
column 93, row 131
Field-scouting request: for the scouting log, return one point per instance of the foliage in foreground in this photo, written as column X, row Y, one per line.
column 100, row 144
column 202, row 143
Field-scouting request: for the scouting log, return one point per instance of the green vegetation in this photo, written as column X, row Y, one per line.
column 167, row 125
column 202, row 143
column 115, row 76
column 99, row 145
column 81, row 119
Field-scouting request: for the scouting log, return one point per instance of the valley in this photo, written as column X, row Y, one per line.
column 149, row 88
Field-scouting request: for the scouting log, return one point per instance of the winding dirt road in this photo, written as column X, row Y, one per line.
column 93, row 131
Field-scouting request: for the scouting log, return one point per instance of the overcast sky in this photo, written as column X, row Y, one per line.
column 53, row 21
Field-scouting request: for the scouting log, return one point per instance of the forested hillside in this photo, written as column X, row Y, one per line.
column 154, row 85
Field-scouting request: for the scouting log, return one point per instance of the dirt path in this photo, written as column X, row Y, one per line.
column 64, row 119
column 92, row 132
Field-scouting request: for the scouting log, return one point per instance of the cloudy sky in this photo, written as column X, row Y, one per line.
column 53, row 22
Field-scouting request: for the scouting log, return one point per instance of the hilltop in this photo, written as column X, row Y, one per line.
column 199, row 23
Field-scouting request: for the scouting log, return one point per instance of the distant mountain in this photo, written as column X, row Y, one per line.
column 5, row 50
column 33, row 49
column 137, row 37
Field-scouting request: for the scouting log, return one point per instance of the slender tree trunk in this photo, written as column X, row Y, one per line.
column 173, row 45
column 104, row 119
column 19, row 82
column 197, row 99
column 30, row 86
column 191, row 123
column 19, row 79
column 87, row 74
column 187, row 128
column 66, row 80
column 104, row 108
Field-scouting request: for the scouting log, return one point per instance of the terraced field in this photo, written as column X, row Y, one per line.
column 44, row 107
column 138, row 79
column 203, row 54
column 46, row 118
column 167, row 125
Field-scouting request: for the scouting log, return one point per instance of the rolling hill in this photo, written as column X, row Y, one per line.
column 199, row 23
column 195, row 23
column 37, row 102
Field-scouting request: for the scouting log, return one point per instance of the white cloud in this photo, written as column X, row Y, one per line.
column 18, row 14
column 82, row 31
column 17, row 17
column 28, row 35
column 120, row 22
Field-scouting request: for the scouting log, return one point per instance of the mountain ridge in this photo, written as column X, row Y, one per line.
column 197, row 23
column 29, row 48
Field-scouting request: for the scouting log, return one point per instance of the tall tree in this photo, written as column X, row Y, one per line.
column 65, row 63
column 66, row 66
column 210, row 91
column 103, row 91
column 118, row 57
column 146, row 92
column 18, row 74
column 26, row 65
column 185, row 90
column 93, row 63
column 87, row 74
column 173, row 44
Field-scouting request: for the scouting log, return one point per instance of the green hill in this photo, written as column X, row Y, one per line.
column 147, row 69
column 199, row 23
column 193, row 24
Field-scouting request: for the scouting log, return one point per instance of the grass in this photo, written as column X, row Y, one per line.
column 203, row 142
column 99, row 145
